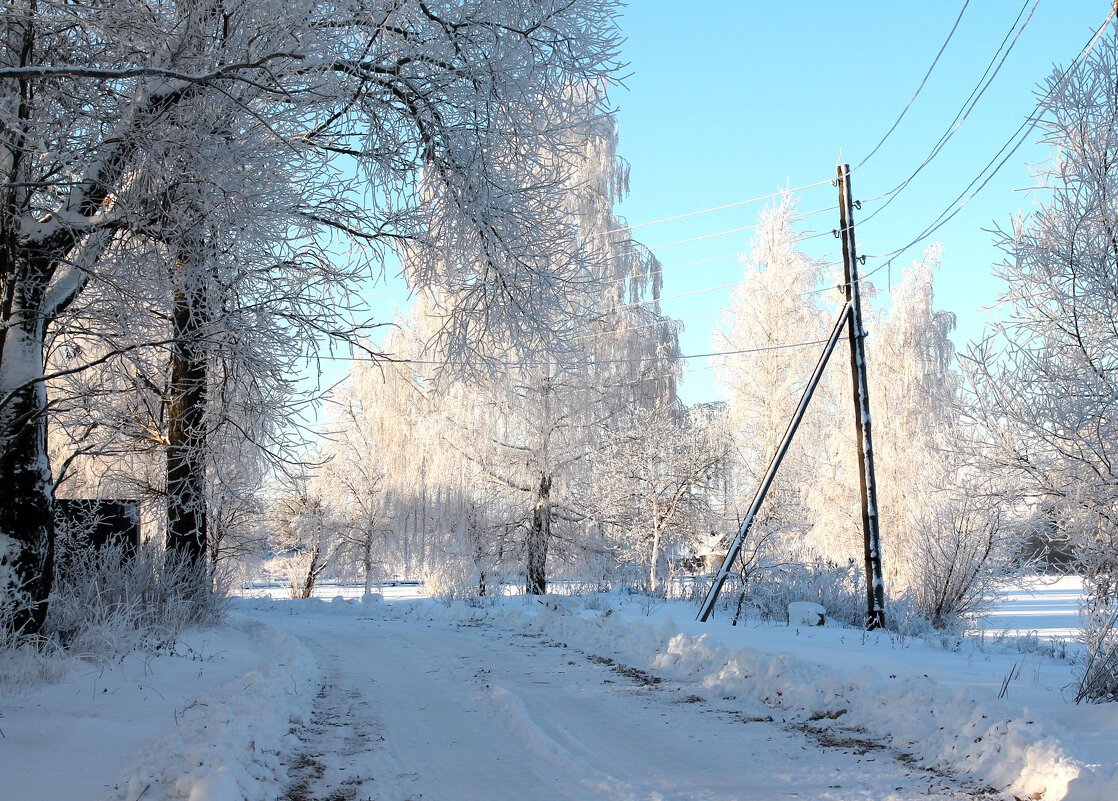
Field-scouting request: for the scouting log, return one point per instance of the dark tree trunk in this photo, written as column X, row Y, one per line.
column 313, row 569
column 186, row 423
column 28, row 264
column 538, row 536
column 26, row 513
column 26, row 486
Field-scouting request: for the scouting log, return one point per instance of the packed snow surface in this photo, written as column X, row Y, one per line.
column 559, row 698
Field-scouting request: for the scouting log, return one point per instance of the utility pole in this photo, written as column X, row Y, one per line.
column 850, row 318
column 871, row 532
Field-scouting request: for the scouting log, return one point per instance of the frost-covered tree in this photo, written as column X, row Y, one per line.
column 659, row 478
column 407, row 503
column 305, row 533
column 1045, row 379
column 942, row 535
column 378, row 448
column 422, row 123
column 523, row 424
column 914, row 385
column 777, row 305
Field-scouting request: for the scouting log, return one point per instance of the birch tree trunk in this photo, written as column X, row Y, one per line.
column 654, row 558
column 26, row 515
column 538, row 536
column 313, row 569
column 368, row 565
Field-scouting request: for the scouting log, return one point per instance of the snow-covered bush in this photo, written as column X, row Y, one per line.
column 27, row 661
column 957, row 555
column 305, row 533
column 450, row 576
column 111, row 600
column 1098, row 680
column 838, row 588
column 593, row 571
column 300, row 570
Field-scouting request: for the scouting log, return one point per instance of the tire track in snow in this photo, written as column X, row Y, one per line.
column 336, row 760
column 416, row 711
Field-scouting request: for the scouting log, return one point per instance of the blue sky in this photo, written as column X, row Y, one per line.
column 727, row 101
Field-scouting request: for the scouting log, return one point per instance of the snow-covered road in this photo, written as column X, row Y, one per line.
column 477, row 712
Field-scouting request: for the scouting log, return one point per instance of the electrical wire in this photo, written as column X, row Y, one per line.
column 755, row 226
column 652, row 324
column 577, row 362
column 1008, row 148
column 736, row 204
column 623, row 279
column 814, row 266
column 918, row 88
column 680, row 295
column 735, row 254
column 964, row 111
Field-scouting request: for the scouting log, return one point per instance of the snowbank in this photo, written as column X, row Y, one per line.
column 203, row 723
column 227, row 741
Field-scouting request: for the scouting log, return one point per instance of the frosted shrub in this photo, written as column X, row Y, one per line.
column 649, row 601
column 1098, row 680
column 955, row 560
column 836, row 587
column 107, row 601
column 593, row 571
column 905, row 617
column 300, row 569
column 840, row 589
column 450, row 577
column 27, row 661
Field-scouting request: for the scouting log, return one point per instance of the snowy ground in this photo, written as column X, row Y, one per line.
column 583, row 699
column 1046, row 606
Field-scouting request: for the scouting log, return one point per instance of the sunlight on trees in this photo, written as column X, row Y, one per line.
column 1043, row 388
column 240, row 149
column 195, row 195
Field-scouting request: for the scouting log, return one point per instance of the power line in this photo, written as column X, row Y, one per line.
column 757, row 199
column 623, row 279
column 753, row 227
column 814, row 266
column 643, row 326
column 613, row 281
column 573, row 363
column 1021, row 134
column 680, row 295
column 918, row 88
column 965, row 110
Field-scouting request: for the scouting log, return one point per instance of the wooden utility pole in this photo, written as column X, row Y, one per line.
column 871, row 532
column 850, row 318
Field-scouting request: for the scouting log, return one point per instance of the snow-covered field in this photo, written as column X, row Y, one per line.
column 1046, row 607
column 576, row 698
